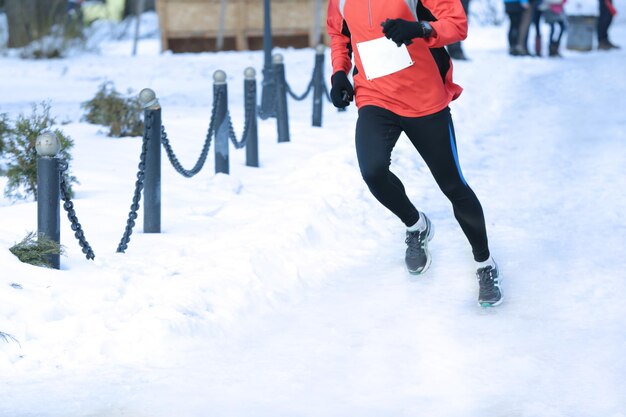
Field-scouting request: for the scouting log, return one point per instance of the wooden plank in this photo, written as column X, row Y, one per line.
column 243, row 18
column 161, row 12
column 241, row 38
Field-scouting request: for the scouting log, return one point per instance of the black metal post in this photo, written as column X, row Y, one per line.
column 318, row 86
column 282, row 114
column 152, row 180
column 220, row 90
column 268, row 97
column 48, row 192
column 252, row 141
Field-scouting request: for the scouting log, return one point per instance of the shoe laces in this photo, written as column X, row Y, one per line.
column 487, row 277
column 416, row 240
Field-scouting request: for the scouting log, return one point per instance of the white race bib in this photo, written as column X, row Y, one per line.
column 382, row 57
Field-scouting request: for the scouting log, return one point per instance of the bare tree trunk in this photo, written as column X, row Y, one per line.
column 317, row 28
column 219, row 43
column 138, row 12
column 32, row 19
column 130, row 7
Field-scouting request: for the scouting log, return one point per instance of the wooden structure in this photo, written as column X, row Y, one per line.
column 193, row 25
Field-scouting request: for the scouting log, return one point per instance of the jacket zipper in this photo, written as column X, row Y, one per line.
column 369, row 12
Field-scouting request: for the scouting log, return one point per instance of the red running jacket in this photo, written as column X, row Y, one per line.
column 421, row 89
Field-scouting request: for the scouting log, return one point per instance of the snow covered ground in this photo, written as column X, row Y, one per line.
column 281, row 290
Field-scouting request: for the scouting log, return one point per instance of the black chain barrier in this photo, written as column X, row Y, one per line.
column 71, row 214
column 302, row 96
column 310, row 87
column 249, row 109
column 188, row 173
column 132, row 215
column 327, row 93
column 250, row 112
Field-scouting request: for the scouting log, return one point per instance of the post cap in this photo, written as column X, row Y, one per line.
column 47, row 144
column 148, row 98
column 249, row 73
column 277, row 58
column 319, row 49
column 219, row 77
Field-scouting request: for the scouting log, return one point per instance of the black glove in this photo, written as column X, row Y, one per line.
column 402, row 31
column 341, row 92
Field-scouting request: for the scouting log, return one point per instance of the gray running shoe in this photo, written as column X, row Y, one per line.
column 489, row 293
column 417, row 255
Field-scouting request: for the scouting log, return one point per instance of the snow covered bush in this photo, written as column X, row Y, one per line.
column 486, row 12
column 41, row 29
column 4, row 130
column 19, row 140
column 122, row 115
column 4, row 29
column 8, row 338
column 58, row 44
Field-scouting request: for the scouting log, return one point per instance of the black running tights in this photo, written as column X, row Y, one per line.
column 378, row 130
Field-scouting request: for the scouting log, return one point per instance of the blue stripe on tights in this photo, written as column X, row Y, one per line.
column 454, row 153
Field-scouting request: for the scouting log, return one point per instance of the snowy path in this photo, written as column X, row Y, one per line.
column 307, row 310
column 374, row 341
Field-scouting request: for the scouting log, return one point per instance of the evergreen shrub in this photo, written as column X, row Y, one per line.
column 4, row 131
column 8, row 338
column 122, row 115
column 54, row 31
column 34, row 249
column 20, row 155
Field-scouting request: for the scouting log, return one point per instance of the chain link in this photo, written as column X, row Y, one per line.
column 308, row 88
column 205, row 148
column 134, row 207
column 68, row 205
column 250, row 107
column 327, row 94
column 311, row 85
column 304, row 95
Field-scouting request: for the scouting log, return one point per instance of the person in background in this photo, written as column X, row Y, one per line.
column 74, row 7
column 74, row 17
column 554, row 15
column 456, row 49
column 515, row 10
column 524, row 27
column 539, row 9
column 408, row 94
column 607, row 11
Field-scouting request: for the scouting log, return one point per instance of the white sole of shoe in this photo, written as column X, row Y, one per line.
column 487, row 305
column 421, row 271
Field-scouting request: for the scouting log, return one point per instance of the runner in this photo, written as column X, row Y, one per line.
column 403, row 83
